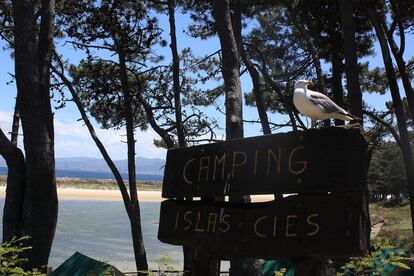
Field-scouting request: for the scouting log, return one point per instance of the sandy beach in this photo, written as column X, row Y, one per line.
column 111, row 195
column 93, row 194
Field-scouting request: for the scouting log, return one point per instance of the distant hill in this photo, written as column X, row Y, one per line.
column 144, row 165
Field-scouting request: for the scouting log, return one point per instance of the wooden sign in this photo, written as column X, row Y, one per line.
column 312, row 161
column 311, row 225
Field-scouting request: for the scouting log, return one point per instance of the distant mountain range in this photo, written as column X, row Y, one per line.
column 154, row 166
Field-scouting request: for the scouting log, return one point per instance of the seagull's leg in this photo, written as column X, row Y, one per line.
column 313, row 123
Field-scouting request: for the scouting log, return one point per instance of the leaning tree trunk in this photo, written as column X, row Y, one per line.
column 351, row 59
column 33, row 48
column 135, row 229
column 398, row 54
column 15, row 187
column 16, row 123
column 236, row 20
column 398, row 109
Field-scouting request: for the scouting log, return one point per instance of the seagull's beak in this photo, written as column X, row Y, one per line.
column 309, row 82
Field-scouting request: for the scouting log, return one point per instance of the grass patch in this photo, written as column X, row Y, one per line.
column 397, row 220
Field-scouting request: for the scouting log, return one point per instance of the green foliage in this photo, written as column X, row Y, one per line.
column 11, row 261
column 387, row 174
column 115, row 30
column 281, row 272
column 164, row 264
column 373, row 81
column 383, row 258
column 101, row 92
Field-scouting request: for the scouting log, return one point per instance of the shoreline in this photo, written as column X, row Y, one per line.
column 115, row 195
column 107, row 190
column 95, row 194
column 104, row 195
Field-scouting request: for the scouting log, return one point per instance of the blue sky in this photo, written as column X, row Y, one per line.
column 72, row 137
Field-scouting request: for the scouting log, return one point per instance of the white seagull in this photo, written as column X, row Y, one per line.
column 316, row 105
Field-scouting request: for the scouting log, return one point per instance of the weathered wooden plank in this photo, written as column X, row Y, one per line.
column 311, row 225
column 312, row 161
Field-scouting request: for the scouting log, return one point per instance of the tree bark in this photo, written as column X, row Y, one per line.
column 247, row 266
column 176, row 74
column 351, row 59
column 338, row 92
column 398, row 109
column 233, row 98
column 257, row 92
column 151, row 120
column 292, row 112
column 16, row 123
column 135, row 218
column 254, row 74
column 230, row 70
column 135, row 229
column 32, row 66
column 188, row 252
column 310, row 45
column 15, row 187
column 398, row 55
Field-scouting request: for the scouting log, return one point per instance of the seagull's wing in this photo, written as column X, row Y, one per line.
column 326, row 103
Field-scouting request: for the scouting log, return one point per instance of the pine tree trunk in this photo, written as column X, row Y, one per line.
column 137, row 239
column 176, row 74
column 351, row 59
column 254, row 74
column 188, row 252
column 15, row 187
column 338, row 93
column 33, row 47
column 135, row 215
column 233, row 101
column 230, row 70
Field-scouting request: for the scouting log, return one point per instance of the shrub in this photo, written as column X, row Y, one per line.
column 10, row 258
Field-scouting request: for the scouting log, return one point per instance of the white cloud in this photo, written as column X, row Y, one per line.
column 6, row 119
column 72, row 139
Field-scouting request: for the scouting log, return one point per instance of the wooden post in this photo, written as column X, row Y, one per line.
column 310, row 266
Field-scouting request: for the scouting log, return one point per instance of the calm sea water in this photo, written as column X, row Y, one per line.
column 96, row 175
column 100, row 229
